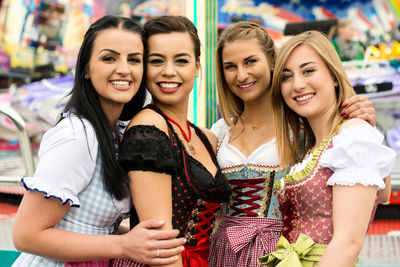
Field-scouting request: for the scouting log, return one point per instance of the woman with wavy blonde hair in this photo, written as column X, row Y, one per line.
column 329, row 197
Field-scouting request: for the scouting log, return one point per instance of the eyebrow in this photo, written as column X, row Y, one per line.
column 163, row 56
column 115, row 52
column 247, row 58
column 306, row 63
column 301, row 66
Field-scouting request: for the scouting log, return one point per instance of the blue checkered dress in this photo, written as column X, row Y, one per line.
column 97, row 215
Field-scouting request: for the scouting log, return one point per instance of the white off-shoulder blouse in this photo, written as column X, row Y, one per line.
column 358, row 156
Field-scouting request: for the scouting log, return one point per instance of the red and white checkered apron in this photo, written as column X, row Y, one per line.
column 239, row 241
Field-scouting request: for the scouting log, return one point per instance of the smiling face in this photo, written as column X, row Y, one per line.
column 246, row 69
column 307, row 85
column 116, row 67
column 171, row 69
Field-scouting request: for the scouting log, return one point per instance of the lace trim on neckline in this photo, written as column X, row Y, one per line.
column 297, row 176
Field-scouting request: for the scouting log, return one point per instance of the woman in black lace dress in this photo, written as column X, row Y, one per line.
column 172, row 167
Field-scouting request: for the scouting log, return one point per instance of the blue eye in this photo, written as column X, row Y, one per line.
column 308, row 71
column 251, row 61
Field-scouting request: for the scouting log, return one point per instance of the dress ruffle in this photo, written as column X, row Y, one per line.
column 358, row 157
column 366, row 177
column 49, row 191
column 147, row 148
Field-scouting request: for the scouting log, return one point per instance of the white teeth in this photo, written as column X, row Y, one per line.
column 120, row 83
column 246, row 85
column 304, row 97
column 169, row 85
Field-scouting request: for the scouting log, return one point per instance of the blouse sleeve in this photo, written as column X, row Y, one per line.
column 358, row 157
column 146, row 148
column 67, row 160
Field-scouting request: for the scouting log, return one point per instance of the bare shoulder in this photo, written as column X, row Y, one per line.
column 211, row 137
column 149, row 117
column 353, row 122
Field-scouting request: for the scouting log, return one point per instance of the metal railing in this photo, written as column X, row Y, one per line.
column 24, row 142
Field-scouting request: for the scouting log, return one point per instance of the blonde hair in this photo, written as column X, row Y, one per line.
column 334, row 31
column 288, row 123
column 231, row 106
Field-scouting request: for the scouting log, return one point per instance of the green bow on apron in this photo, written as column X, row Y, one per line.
column 303, row 253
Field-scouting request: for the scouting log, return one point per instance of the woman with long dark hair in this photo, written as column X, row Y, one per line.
column 79, row 193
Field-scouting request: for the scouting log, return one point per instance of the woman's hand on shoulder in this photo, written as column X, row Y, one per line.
column 359, row 107
column 142, row 242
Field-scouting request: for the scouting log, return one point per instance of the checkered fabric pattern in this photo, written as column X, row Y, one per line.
column 127, row 263
column 97, row 215
column 239, row 241
column 98, row 263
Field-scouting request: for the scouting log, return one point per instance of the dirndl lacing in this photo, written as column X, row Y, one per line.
column 239, row 241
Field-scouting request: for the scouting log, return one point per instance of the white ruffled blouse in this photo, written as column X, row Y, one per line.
column 70, row 170
column 67, row 163
column 357, row 156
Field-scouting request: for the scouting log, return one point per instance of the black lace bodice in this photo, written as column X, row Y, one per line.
column 147, row 148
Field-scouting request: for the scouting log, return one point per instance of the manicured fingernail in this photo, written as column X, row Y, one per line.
column 182, row 248
column 161, row 221
column 344, row 105
column 347, row 117
column 342, row 113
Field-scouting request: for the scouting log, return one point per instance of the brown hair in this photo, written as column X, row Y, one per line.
column 231, row 106
column 168, row 24
column 288, row 124
column 334, row 31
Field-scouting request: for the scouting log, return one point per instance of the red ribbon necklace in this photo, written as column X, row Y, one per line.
column 191, row 148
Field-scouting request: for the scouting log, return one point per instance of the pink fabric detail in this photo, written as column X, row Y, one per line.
column 191, row 257
column 241, row 235
column 247, row 244
column 126, row 263
column 97, row 263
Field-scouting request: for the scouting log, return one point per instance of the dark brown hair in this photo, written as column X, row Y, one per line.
column 168, row 24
